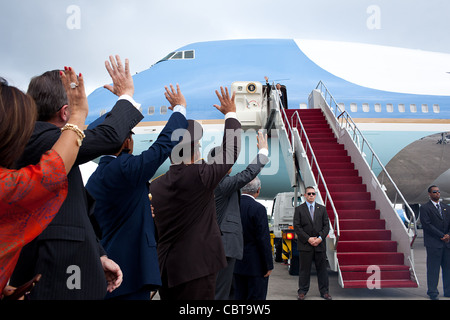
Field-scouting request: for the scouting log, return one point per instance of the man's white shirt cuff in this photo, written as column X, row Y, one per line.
column 131, row 100
column 181, row 109
column 231, row 115
column 264, row 151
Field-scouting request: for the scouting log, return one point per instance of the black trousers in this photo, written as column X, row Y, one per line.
column 198, row 289
column 437, row 258
column 251, row 287
column 143, row 294
column 305, row 260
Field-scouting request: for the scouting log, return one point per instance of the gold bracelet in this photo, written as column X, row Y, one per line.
column 75, row 129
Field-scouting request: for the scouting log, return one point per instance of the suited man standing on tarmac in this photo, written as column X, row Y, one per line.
column 311, row 225
column 435, row 218
column 227, row 196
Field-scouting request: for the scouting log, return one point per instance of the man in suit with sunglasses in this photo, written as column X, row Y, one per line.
column 435, row 219
column 311, row 225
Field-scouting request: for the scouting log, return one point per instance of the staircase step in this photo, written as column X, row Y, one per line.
column 383, row 284
column 369, row 258
column 358, row 275
column 359, row 214
column 339, row 172
column 364, row 268
column 329, row 153
column 368, row 246
column 346, row 187
column 371, row 234
column 327, row 146
column 353, row 205
column 384, row 275
column 310, row 111
column 349, row 196
column 320, row 120
column 312, row 122
column 306, row 114
column 319, row 133
column 361, row 224
column 318, row 138
column 327, row 159
column 309, row 115
column 346, row 180
column 341, row 165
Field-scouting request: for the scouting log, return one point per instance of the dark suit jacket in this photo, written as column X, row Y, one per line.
column 227, row 196
column 189, row 243
column 122, row 210
column 434, row 226
column 283, row 96
column 305, row 228
column 70, row 240
column 257, row 258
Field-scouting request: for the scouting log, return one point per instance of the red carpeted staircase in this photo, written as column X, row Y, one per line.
column 364, row 240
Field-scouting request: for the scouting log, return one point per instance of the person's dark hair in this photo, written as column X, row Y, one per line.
column 17, row 118
column 129, row 136
column 49, row 94
column 431, row 187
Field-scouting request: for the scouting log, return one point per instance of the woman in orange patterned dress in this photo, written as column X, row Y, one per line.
column 30, row 197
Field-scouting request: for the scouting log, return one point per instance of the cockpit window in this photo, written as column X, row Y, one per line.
column 167, row 57
column 179, row 55
column 189, row 54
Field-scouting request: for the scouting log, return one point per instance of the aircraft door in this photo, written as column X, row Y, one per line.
column 249, row 103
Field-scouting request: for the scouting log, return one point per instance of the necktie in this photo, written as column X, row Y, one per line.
column 311, row 212
column 439, row 209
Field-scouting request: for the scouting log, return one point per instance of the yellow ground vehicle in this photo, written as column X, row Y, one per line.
column 284, row 238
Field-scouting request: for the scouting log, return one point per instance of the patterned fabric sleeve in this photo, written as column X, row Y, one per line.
column 29, row 199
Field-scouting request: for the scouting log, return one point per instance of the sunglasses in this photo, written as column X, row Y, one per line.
column 436, row 191
column 311, row 193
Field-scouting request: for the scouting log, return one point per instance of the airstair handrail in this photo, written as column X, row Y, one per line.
column 313, row 161
column 345, row 121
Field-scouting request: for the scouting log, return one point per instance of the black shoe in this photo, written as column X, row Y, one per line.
column 326, row 296
column 434, row 298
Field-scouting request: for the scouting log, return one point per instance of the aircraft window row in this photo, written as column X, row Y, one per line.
column 151, row 110
column 377, row 107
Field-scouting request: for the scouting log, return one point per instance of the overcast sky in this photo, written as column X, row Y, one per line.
column 41, row 35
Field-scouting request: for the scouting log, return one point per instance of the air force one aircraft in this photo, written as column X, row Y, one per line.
column 399, row 98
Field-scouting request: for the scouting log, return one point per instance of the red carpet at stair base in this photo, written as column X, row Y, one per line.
column 364, row 240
